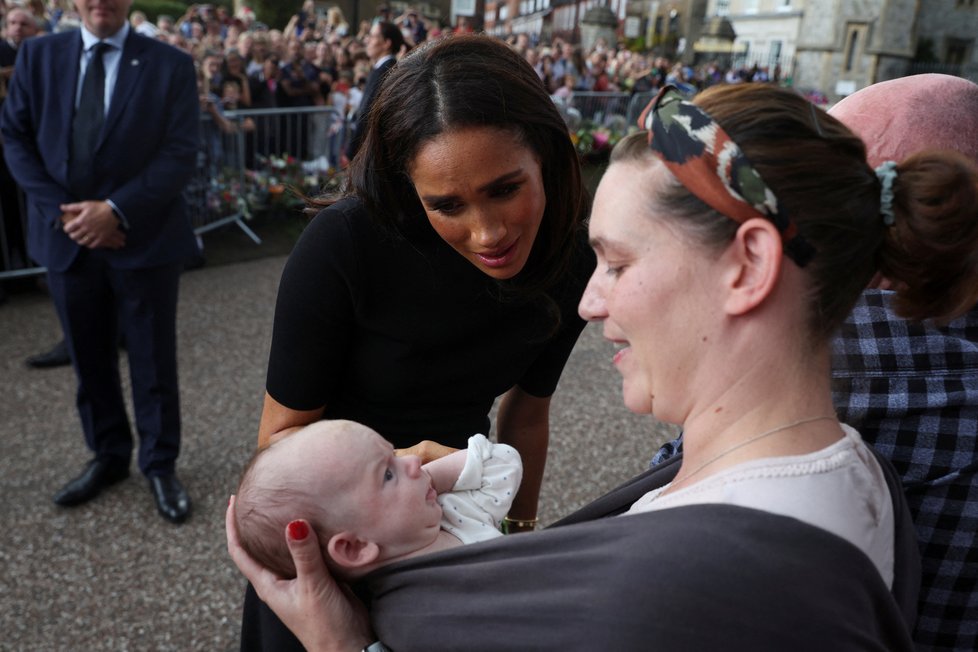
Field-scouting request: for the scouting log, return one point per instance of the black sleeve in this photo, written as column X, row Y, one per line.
column 314, row 314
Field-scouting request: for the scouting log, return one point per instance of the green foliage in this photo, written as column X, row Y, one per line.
column 636, row 44
column 153, row 8
column 594, row 142
column 278, row 183
column 274, row 13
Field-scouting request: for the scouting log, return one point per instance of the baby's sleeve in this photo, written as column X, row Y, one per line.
column 484, row 491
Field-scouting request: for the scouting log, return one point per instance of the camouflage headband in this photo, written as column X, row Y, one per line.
column 701, row 155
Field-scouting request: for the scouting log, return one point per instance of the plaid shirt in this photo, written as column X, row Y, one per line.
column 912, row 392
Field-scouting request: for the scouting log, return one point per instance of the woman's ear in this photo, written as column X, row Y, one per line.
column 754, row 258
column 349, row 551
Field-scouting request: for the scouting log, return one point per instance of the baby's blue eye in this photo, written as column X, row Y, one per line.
column 388, row 475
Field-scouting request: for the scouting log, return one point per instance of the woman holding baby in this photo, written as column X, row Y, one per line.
column 733, row 235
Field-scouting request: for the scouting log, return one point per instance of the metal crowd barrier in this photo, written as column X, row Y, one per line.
column 214, row 194
column 313, row 134
column 255, row 149
column 14, row 261
column 618, row 112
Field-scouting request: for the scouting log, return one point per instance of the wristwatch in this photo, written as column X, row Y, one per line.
column 376, row 646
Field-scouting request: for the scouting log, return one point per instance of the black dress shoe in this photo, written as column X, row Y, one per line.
column 98, row 475
column 56, row 357
column 172, row 501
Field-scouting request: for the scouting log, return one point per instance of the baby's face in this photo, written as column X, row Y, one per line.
column 386, row 499
column 394, row 499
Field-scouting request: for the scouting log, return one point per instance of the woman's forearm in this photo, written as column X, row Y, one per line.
column 523, row 422
column 278, row 420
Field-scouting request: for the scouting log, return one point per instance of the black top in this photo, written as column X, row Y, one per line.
column 406, row 336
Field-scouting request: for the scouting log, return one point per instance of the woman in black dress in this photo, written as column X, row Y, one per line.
column 447, row 277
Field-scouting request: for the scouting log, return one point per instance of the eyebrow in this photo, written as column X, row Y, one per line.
column 605, row 246
column 599, row 243
column 509, row 176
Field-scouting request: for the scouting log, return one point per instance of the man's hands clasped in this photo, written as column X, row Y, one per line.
column 92, row 224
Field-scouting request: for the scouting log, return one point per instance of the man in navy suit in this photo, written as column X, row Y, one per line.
column 103, row 158
column 384, row 42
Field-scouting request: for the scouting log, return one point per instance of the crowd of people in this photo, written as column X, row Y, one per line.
column 319, row 58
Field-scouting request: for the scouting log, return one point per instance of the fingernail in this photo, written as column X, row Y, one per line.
column 298, row 530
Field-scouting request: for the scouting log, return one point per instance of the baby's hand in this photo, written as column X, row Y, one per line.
column 445, row 470
column 427, row 450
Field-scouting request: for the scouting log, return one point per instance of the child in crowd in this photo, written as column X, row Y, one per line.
column 566, row 91
column 369, row 506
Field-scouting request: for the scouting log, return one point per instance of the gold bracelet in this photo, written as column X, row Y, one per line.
column 520, row 522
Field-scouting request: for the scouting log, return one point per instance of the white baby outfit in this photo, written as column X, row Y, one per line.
column 476, row 505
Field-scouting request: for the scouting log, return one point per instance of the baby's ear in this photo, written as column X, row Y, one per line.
column 349, row 551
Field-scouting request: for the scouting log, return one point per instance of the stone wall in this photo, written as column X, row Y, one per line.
column 855, row 43
column 941, row 21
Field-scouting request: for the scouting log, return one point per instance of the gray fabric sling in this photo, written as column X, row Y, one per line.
column 701, row 577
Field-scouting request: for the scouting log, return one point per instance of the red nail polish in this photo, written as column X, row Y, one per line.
column 298, row 530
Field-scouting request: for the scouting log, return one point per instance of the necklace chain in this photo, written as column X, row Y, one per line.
column 751, row 440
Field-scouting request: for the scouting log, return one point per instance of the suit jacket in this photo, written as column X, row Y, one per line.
column 369, row 95
column 145, row 155
column 8, row 55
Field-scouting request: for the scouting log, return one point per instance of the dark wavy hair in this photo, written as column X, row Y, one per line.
column 471, row 81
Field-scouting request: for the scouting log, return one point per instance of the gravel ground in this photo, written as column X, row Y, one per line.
column 112, row 574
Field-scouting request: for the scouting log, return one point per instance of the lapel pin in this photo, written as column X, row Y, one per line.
column 134, row 62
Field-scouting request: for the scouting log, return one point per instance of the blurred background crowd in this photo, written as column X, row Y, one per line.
column 319, row 58
column 280, row 101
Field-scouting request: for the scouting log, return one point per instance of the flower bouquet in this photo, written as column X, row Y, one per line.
column 279, row 182
column 594, row 142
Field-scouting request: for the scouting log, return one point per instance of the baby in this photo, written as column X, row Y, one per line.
column 369, row 506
